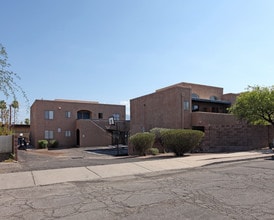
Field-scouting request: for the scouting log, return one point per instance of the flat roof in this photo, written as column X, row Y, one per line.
column 77, row 101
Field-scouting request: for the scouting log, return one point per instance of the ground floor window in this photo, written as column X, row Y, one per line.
column 67, row 133
column 48, row 134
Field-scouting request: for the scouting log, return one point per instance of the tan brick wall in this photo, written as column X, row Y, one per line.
column 224, row 132
column 92, row 135
column 60, row 124
column 205, row 92
column 231, row 97
column 163, row 109
column 219, row 138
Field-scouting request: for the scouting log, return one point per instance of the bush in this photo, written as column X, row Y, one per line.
column 181, row 141
column 5, row 130
column 43, row 143
column 53, row 144
column 153, row 151
column 158, row 140
column 142, row 142
column 158, row 133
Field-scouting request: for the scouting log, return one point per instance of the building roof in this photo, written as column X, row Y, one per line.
column 75, row 101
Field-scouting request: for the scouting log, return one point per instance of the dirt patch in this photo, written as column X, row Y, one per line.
column 4, row 156
column 46, row 152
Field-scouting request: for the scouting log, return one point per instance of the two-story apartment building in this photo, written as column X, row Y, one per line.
column 193, row 106
column 75, row 123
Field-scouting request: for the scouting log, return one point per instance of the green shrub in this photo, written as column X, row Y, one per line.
column 153, row 151
column 53, row 143
column 5, row 130
column 43, row 143
column 158, row 140
column 181, row 141
column 142, row 142
column 158, row 133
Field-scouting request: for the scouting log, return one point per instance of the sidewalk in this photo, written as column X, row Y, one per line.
column 53, row 176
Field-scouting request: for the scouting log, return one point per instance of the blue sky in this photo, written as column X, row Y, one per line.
column 114, row 50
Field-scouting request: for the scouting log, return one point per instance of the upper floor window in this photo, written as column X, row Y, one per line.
column 100, row 115
column 83, row 114
column 194, row 96
column 195, row 108
column 213, row 98
column 68, row 114
column 49, row 115
column 116, row 117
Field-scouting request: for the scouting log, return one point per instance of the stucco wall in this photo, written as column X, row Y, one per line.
column 6, row 144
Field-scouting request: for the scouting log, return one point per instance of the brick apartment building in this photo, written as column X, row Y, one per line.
column 76, row 123
column 202, row 107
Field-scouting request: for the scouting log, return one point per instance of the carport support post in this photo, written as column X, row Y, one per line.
column 117, row 138
column 116, row 133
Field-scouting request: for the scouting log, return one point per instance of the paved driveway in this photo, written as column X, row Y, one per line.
column 42, row 159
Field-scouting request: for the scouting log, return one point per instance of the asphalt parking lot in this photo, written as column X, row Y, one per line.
column 42, row 159
column 45, row 159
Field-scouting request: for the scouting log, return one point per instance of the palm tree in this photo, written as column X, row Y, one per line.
column 15, row 106
column 27, row 121
column 3, row 110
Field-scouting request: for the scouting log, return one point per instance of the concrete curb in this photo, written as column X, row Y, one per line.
column 54, row 176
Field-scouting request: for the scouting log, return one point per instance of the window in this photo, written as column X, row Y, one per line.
column 186, row 105
column 49, row 115
column 68, row 114
column 83, row 115
column 100, row 115
column 195, row 108
column 116, row 117
column 48, row 134
column 67, row 133
column 194, row 96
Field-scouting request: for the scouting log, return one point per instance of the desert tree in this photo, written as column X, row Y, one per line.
column 256, row 105
column 8, row 81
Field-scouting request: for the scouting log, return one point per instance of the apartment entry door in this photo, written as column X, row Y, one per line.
column 77, row 137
